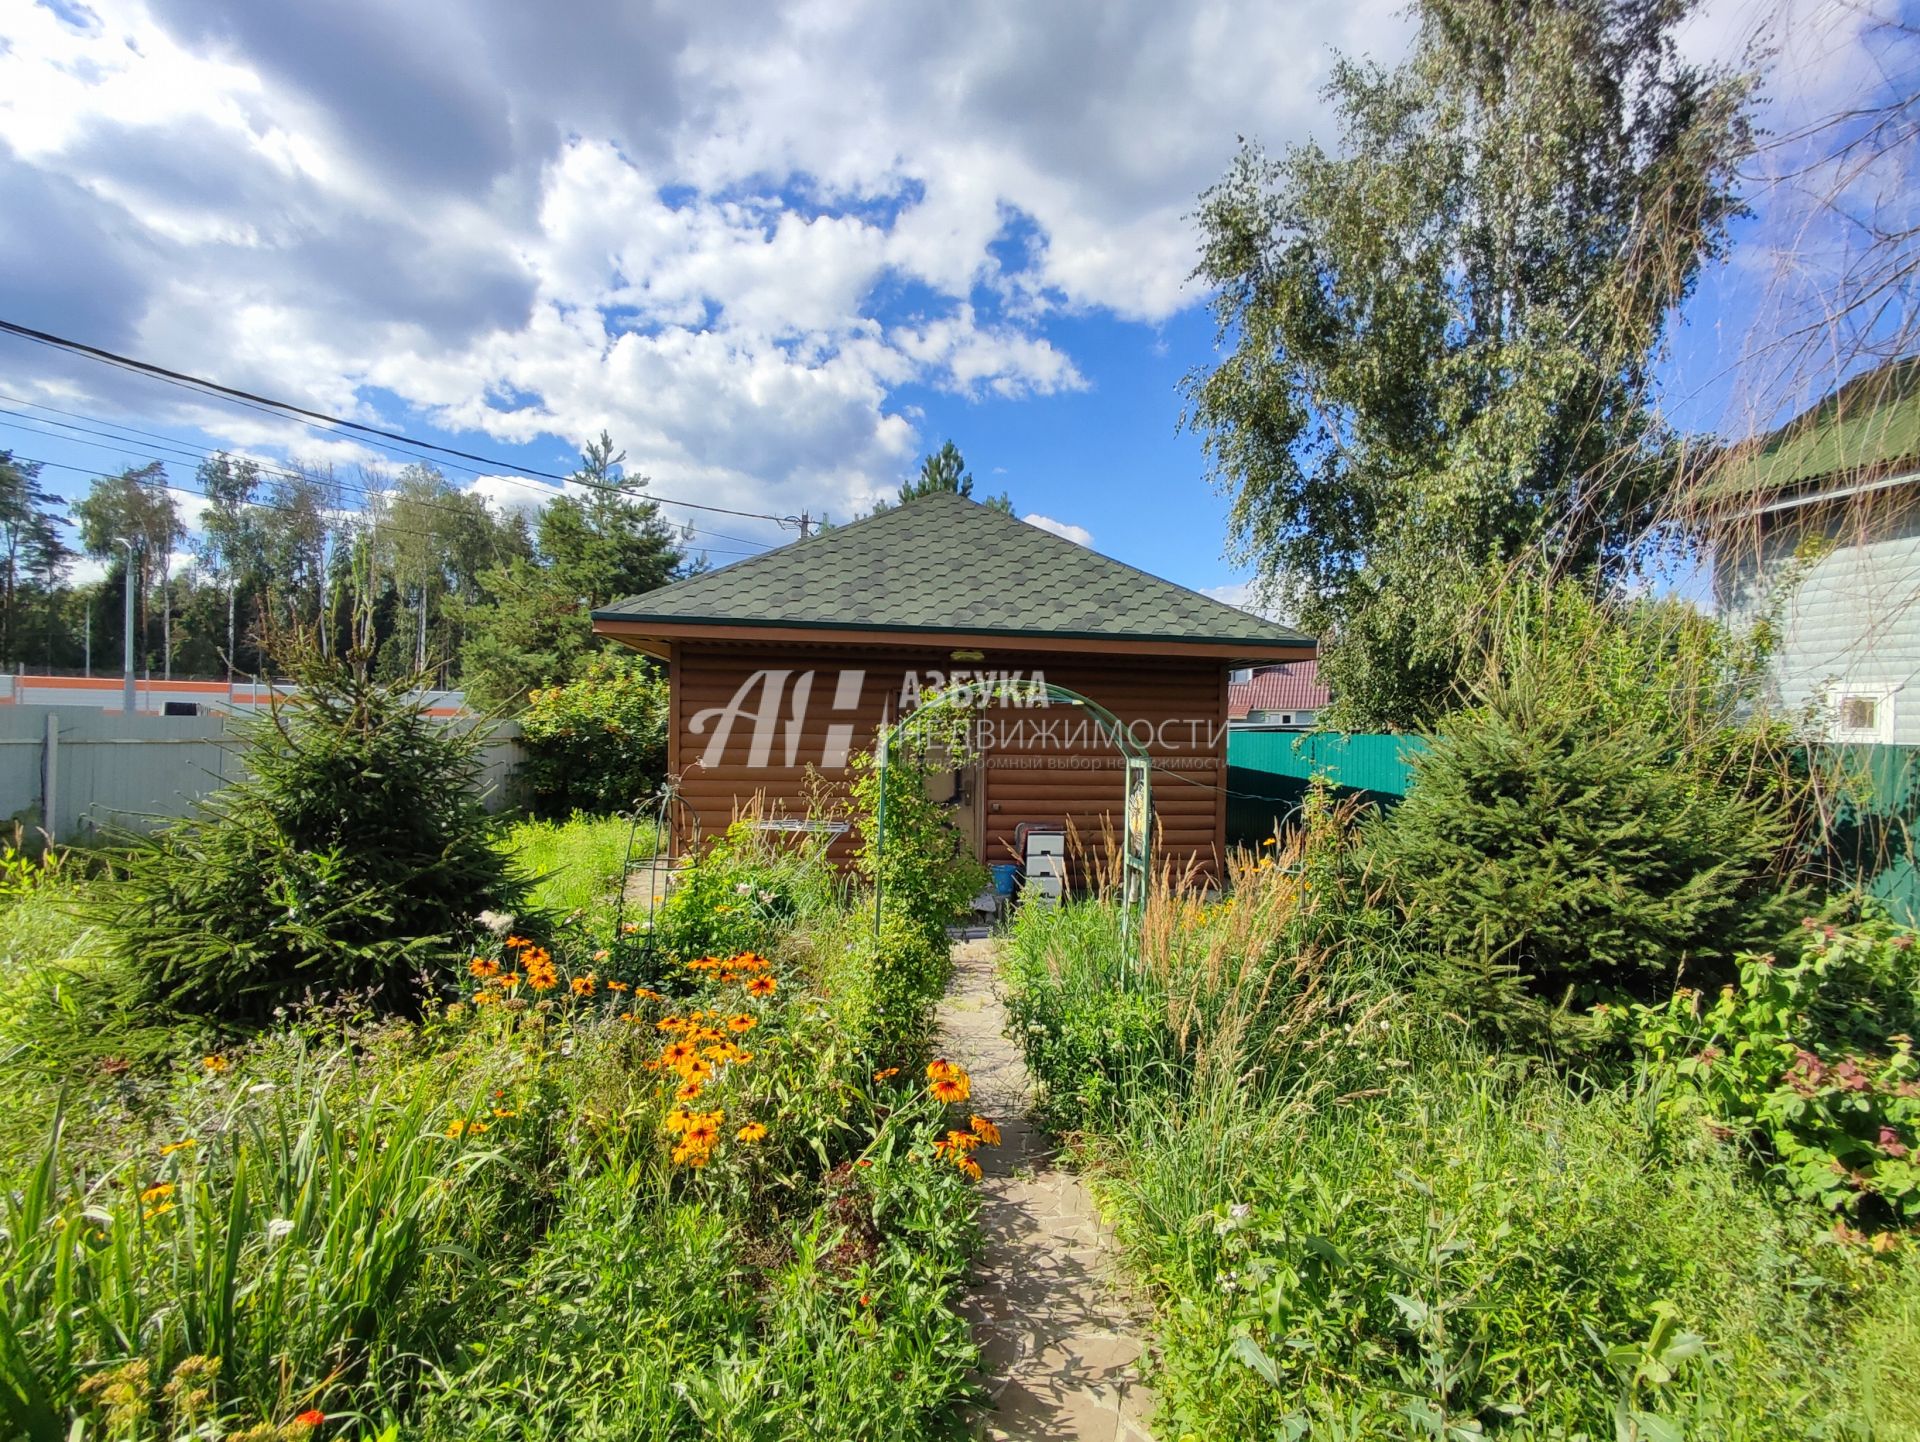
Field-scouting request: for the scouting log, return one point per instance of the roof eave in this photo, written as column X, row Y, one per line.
column 629, row 628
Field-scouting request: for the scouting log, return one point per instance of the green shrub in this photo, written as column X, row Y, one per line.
column 1599, row 818
column 1816, row 1058
column 734, row 897
column 598, row 744
column 355, row 856
column 1092, row 1027
column 883, row 989
column 915, row 856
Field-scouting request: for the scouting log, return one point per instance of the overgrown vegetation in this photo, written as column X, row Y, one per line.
column 598, row 743
column 354, row 856
column 581, row 1177
column 1359, row 1217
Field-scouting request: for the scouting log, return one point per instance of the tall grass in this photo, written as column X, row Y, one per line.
column 1356, row 1221
column 281, row 1238
column 578, row 864
column 469, row 1223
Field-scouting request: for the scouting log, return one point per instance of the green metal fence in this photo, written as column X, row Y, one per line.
column 1871, row 828
column 1268, row 772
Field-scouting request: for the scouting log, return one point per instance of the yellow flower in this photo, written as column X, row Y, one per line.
column 481, row 967
column 751, row 1132
column 216, row 1065
column 180, row 1146
column 968, row 1168
column 953, row 1088
column 159, row 1192
column 688, row 1155
column 505, row 1112
column 158, row 1211
column 458, row 1128
column 689, row 1091
column 742, row 1022
column 583, row 985
column 886, row 1073
column 984, row 1128
column 679, row 1053
column 762, row 986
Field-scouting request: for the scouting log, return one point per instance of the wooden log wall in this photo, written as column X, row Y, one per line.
column 1050, row 764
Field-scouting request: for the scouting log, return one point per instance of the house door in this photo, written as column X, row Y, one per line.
column 960, row 789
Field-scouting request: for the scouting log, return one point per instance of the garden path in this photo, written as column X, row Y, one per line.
column 1058, row 1337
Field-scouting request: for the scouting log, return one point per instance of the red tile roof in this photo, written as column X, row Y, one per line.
column 1293, row 687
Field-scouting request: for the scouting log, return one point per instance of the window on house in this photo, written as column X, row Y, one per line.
column 1859, row 713
column 1863, row 713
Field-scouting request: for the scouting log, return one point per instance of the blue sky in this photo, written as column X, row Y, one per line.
column 777, row 254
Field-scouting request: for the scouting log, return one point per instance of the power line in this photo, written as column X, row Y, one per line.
column 388, row 527
column 186, row 449
column 316, row 418
column 120, row 446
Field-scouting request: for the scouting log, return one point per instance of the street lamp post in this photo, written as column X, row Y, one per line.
column 126, row 663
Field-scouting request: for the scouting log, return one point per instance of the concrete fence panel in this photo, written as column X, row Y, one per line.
column 94, row 772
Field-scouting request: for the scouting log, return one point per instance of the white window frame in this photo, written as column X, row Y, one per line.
column 1881, row 694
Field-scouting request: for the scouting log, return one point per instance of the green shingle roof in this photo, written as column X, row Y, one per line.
column 1867, row 429
column 944, row 563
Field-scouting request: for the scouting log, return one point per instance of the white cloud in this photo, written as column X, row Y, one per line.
column 1079, row 535
column 737, row 243
column 1246, row 596
column 731, row 250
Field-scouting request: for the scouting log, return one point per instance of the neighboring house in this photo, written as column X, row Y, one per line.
column 784, row 664
column 1816, row 530
column 1277, row 698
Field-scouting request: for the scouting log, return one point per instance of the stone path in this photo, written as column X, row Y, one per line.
column 1058, row 1338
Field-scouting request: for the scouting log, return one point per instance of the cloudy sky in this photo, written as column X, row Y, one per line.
column 778, row 252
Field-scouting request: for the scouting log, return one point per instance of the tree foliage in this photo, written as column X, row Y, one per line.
column 532, row 627
column 32, row 554
column 944, row 472
column 598, row 743
column 1603, row 815
column 356, row 853
column 1441, row 332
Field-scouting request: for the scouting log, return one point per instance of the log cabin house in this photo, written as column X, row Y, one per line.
column 788, row 662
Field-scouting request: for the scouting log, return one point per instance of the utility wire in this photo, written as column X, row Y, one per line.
column 189, row 381
column 119, row 446
column 187, row 449
column 386, row 527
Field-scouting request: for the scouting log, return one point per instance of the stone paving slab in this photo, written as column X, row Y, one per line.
column 1058, row 1335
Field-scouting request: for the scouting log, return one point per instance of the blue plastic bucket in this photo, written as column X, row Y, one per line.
column 1005, row 873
